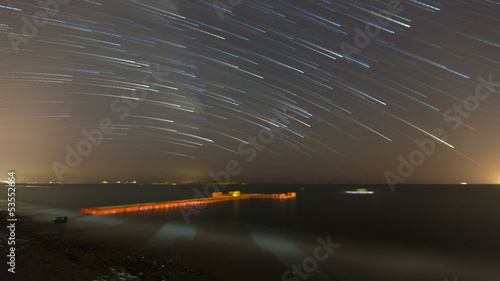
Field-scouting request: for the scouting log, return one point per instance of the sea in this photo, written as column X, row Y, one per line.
column 414, row 232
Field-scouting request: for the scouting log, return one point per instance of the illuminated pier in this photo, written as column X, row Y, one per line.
column 216, row 197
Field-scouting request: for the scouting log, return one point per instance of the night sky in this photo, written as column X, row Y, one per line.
column 173, row 90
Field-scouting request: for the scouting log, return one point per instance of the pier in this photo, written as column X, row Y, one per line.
column 216, row 197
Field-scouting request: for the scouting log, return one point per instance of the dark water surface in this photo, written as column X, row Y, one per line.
column 418, row 232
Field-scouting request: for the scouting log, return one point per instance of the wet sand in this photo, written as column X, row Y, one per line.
column 52, row 251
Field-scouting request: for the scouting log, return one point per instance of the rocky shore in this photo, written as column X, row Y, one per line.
column 50, row 252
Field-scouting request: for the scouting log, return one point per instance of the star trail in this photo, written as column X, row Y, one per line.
column 346, row 86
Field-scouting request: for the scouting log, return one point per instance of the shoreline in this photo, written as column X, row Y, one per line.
column 49, row 251
column 239, row 242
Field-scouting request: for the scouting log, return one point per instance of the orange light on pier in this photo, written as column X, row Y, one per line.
column 216, row 197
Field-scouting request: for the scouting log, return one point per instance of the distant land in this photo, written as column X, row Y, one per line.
column 135, row 182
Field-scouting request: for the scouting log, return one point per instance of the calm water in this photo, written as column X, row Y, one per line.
column 416, row 233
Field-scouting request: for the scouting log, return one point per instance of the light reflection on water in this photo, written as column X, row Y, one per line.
column 423, row 230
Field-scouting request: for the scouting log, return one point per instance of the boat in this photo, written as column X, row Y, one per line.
column 359, row 191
